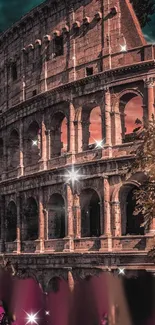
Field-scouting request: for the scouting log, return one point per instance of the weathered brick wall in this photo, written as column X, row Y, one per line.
column 88, row 46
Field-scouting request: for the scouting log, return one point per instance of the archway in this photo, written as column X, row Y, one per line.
column 131, row 110
column 58, row 298
column 32, row 145
column 56, row 217
column 95, row 127
column 91, row 126
column 11, row 222
column 30, row 222
column 59, row 135
column 90, row 213
column 13, row 150
column 131, row 224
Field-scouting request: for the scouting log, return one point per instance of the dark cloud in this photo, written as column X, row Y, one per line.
column 12, row 10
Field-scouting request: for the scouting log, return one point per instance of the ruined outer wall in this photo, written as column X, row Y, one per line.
column 95, row 43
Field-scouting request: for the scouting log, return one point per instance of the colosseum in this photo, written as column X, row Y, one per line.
column 76, row 79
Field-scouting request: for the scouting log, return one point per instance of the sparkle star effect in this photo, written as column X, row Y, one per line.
column 47, row 312
column 32, row 318
column 123, row 48
column 121, row 271
column 72, row 176
column 99, row 144
column 34, row 142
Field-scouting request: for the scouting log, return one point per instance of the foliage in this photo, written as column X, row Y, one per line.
column 145, row 158
column 144, row 9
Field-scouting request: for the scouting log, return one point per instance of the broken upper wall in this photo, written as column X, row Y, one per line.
column 62, row 41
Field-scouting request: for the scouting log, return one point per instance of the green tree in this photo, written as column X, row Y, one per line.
column 145, row 161
column 144, row 9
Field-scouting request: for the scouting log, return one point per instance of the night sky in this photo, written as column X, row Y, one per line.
column 12, row 10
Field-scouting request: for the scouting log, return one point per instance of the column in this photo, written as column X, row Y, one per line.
column 18, row 240
column 70, row 215
column 107, row 212
column 108, row 116
column 149, row 85
column 71, row 129
column 78, row 136
column 116, row 214
column 4, row 173
column 77, row 216
column 70, row 281
column 23, row 80
column 41, row 222
column 21, row 150
column 43, row 160
column 2, row 215
column 152, row 226
column 48, row 143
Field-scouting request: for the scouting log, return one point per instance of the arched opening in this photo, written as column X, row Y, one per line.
column 91, row 126
column 58, row 295
column 90, row 213
column 30, row 222
column 54, row 285
column 134, row 223
column 13, row 150
column 131, row 110
column 95, row 128
column 59, row 135
column 11, row 222
column 32, row 144
column 131, row 224
column 56, row 217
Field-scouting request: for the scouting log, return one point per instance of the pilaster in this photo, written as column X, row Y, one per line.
column 71, row 128
column 149, row 85
column 2, row 214
column 41, row 239
column 18, row 240
column 70, row 219
column 21, row 150
column 44, row 141
column 108, row 116
column 77, row 216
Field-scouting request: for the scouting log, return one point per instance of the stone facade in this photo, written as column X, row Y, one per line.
column 61, row 61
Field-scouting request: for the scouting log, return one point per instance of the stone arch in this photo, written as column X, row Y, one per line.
column 13, row 149
column 91, row 115
column 120, row 196
column 131, row 114
column 11, row 222
column 30, row 220
column 59, row 134
column 32, row 144
column 56, row 216
column 131, row 224
column 54, row 284
column 90, row 213
column 137, row 92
